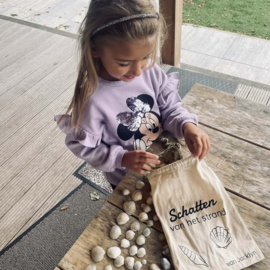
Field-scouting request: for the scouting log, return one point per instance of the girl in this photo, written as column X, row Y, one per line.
column 122, row 99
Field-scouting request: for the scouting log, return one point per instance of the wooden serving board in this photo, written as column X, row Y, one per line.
column 97, row 233
column 234, row 115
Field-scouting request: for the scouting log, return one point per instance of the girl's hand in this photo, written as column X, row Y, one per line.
column 197, row 140
column 137, row 161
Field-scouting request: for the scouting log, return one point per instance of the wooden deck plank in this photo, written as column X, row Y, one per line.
column 69, row 184
column 228, row 113
column 27, row 53
column 63, row 77
column 97, row 233
column 30, row 141
column 55, row 59
column 35, row 197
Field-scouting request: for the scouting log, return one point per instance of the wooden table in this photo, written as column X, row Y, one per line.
column 240, row 152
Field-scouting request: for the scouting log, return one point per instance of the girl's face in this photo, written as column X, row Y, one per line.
column 123, row 61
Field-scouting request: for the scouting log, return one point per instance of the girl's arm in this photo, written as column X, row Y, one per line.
column 102, row 157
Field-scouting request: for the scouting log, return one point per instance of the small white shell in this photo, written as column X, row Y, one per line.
column 97, row 253
column 141, row 252
column 135, row 226
column 125, row 192
column 155, row 218
column 149, row 200
column 122, row 218
column 146, row 232
column 150, row 223
column 129, row 207
column 144, row 261
column 161, row 237
column 143, row 216
column 165, row 264
column 138, row 265
column 115, row 232
column 154, row 267
column 140, row 240
column 119, row 261
column 140, row 184
column 136, row 195
column 113, row 252
column 130, row 235
column 107, row 267
column 133, row 250
column 91, row 267
column 129, row 262
column 147, row 208
column 125, row 243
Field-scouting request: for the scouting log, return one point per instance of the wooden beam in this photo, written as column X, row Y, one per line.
column 172, row 11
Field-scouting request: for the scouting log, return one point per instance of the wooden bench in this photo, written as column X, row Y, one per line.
column 240, row 152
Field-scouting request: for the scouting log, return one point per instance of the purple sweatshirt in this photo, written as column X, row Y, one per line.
column 125, row 116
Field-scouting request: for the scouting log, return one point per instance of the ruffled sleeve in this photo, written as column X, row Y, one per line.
column 174, row 116
column 83, row 136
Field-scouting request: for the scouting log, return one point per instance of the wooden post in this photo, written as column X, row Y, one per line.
column 172, row 11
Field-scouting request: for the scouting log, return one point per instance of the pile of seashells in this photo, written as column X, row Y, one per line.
column 129, row 206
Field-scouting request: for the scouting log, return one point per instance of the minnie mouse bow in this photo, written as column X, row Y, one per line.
column 133, row 120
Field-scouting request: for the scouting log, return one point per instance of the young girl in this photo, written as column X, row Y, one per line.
column 122, row 99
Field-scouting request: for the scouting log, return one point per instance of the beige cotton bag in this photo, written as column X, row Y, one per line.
column 202, row 225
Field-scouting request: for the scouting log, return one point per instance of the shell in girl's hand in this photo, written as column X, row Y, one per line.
column 193, row 256
column 221, row 237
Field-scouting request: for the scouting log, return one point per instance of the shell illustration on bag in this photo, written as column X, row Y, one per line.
column 221, row 237
column 193, row 256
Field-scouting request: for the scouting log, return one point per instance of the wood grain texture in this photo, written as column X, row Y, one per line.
column 172, row 12
column 228, row 113
column 97, row 233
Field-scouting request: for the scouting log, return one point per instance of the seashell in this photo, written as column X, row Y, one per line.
column 107, row 267
column 125, row 243
column 155, row 218
column 140, row 184
column 146, row 232
column 146, row 208
column 136, row 195
column 113, row 252
column 150, row 223
column 97, row 253
column 143, row 216
column 161, row 237
column 221, row 237
column 130, row 235
column 129, row 207
column 154, row 267
column 122, row 219
column 144, row 261
column 138, row 265
column 165, row 264
column 129, row 262
column 133, row 250
column 125, row 192
column 193, row 256
column 140, row 240
column 91, row 267
column 149, row 200
column 141, row 252
column 135, row 226
column 142, row 205
column 166, row 251
column 119, row 261
column 115, row 232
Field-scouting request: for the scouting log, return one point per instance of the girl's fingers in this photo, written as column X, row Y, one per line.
column 198, row 148
column 205, row 150
column 146, row 167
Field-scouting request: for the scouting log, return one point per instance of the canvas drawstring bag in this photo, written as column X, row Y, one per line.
column 201, row 223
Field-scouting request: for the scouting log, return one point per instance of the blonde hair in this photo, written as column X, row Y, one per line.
column 101, row 12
